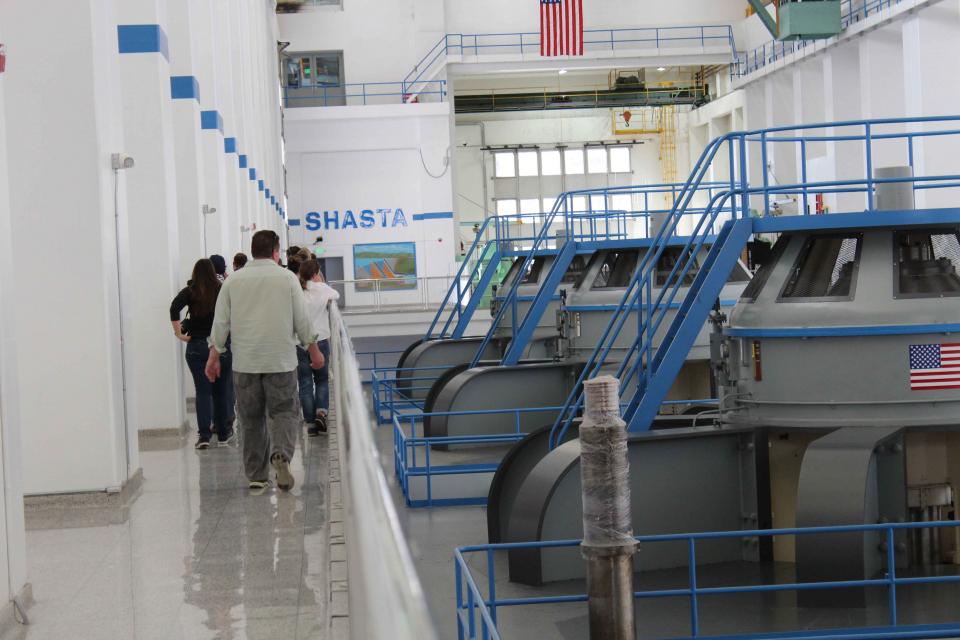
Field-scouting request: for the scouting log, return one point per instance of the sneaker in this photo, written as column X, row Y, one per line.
column 257, row 487
column 202, row 443
column 321, row 422
column 225, row 440
column 282, row 466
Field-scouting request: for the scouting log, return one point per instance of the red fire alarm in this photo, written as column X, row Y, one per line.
column 3, row 58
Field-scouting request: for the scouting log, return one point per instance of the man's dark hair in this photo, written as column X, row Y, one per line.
column 219, row 264
column 239, row 261
column 264, row 243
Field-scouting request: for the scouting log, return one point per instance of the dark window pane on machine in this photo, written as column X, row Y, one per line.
column 670, row 258
column 927, row 262
column 616, row 270
column 575, row 270
column 826, row 268
column 530, row 271
column 763, row 273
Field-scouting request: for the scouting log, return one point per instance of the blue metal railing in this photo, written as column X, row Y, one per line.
column 594, row 40
column 646, row 355
column 477, row 613
column 769, row 52
column 364, row 93
column 472, row 278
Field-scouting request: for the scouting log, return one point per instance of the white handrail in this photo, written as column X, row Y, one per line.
column 386, row 598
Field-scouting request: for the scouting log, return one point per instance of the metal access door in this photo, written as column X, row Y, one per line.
column 314, row 79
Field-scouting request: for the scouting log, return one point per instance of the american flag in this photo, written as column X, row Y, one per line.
column 934, row 366
column 561, row 27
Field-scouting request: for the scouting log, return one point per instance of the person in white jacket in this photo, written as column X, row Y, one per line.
column 315, row 383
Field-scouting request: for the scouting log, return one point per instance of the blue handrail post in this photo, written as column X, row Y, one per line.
column 892, row 575
column 803, row 176
column 694, row 606
column 612, row 48
column 868, row 141
column 702, row 39
column 325, row 95
column 492, row 586
column 364, row 87
column 766, row 173
column 458, row 576
column 744, row 178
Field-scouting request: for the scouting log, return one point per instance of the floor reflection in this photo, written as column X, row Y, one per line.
column 198, row 558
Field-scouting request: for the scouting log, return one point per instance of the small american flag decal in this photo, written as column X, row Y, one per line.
column 934, row 367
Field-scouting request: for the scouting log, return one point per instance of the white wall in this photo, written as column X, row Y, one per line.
column 377, row 157
column 382, row 41
column 499, row 16
column 888, row 66
column 12, row 535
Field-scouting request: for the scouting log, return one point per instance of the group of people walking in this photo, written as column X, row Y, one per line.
column 257, row 346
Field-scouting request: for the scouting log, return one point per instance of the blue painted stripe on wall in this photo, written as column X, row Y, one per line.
column 230, row 145
column 273, row 201
column 294, row 222
column 446, row 215
column 266, row 193
column 260, row 185
column 142, row 38
column 211, row 120
column 184, row 88
column 253, row 174
column 243, row 162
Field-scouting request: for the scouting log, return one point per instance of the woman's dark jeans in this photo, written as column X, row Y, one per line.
column 214, row 400
column 314, row 383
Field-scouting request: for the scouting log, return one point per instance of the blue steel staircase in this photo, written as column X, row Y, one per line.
column 654, row 367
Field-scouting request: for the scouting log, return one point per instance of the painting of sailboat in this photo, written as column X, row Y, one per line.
column 394, row 264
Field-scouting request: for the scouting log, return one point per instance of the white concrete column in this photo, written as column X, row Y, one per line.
column 224, row 62
column 881, row 90
column 841, row 77
column 150, row 224
column 211, row 123
column 62, row 128
column 13, row 564
column 781, row 110
column 931, row 43
column 186, row 91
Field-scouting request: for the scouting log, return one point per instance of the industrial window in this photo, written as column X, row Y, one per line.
column 530, row 271
column 597, row 159
column 550, row 164
column 598, row 203
column 926, row 263
column 669, row 259
column 620, row 160
column 616, row 269
column 548, row 204
column 507, row 207
column 504, row 164
column 530, row 205
column 577, row 266
column 573, row 162
column 527, row 163
column 825, row 269
column 763, row 273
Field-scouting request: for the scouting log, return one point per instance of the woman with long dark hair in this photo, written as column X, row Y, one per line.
column 199, row 297
column 315, row 383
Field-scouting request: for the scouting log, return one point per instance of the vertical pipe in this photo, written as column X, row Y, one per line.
column 766, row 174
column 803, row 179
column 608, row 544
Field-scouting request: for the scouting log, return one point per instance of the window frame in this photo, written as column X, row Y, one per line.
column 762, row 275
column 897, row 295
column 802, row 254
column 629, row 150
column 513, row 157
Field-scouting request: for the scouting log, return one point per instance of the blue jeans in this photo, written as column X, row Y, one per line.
column 214, row 400
column 314, row 383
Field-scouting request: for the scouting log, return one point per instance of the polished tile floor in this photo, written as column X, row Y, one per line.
column 199, row 557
